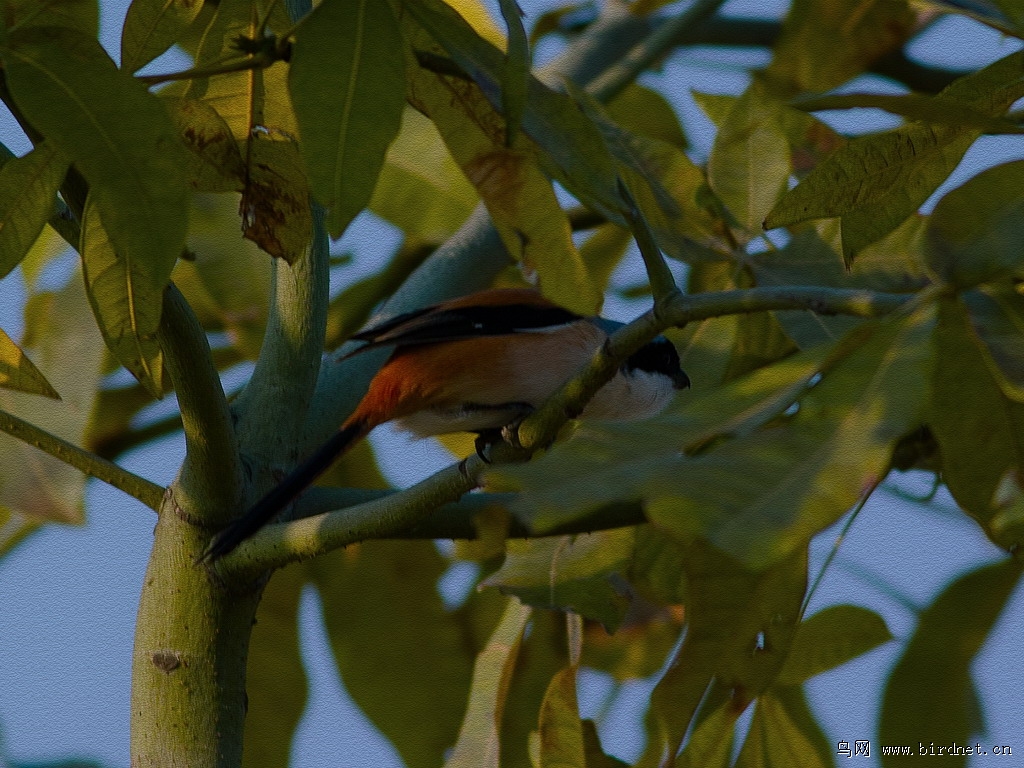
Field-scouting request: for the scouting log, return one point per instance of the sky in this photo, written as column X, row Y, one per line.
column 69, row 595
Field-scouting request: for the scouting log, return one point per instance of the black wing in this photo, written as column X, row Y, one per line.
column 431, row 325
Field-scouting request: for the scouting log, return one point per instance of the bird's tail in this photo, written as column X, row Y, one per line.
column 279, row 496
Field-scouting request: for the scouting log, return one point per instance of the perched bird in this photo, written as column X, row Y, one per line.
column 476, row 364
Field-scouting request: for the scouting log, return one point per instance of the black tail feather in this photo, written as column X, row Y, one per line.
column 278, row 497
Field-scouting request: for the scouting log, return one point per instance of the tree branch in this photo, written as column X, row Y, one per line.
column 686, row 308
column 455, row 520
column 277, row 545
column 148, row 493
column 241, row 63
column 761, row 33
column 659, row 42
column 274, row 403
column 211, row 475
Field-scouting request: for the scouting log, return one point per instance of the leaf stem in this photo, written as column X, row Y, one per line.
column 249, row 61
column 663, row 284
column 145, row 491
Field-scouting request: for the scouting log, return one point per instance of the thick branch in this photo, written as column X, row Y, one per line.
column 211, row 475
column 148, row 493
column 273, row 405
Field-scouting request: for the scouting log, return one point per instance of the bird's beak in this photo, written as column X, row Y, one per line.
column 680, row 381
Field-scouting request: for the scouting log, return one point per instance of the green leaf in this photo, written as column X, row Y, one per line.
column 153, row 26
column 353, row 50
column 115, row 132
column 593, row 752
column 125, row 290
column 740, row 625
column 648, row 636
column 976, row 232
column 913, row 106
column 14, row 528
column 716, row 106
column 930, row 695
column 62, row 339
column 275, row 684
column 583, row 574
column 668, row 188
column 1006, row 526
column 1013, row 12
column 603, row 251
column 18, row 373
column 810, row 141
column 560, row 727
column 399, row 652
column 829, row 639
column 48, row 246
column 571, row 148
column 519, row 197
column 732, row 466
column 877, row 181
column 644, row 111
column 710, row 746
column 761, row 496
column 255, row 106
column 421, row 189
column 759, row 341
column 214, row 161
column 542, row 654
column 783, row 732
column 479, row 745
column 750, row 164
column 253, row 100
column 997, row 317
column 604, row 463
column 80, row 15
column 823, row 44
column 894, row 264
column 28, row 189
column 977, row 428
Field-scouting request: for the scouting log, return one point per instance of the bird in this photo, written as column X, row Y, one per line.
column 478, row 363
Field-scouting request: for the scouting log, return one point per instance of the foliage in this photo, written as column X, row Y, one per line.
column 834, row 333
